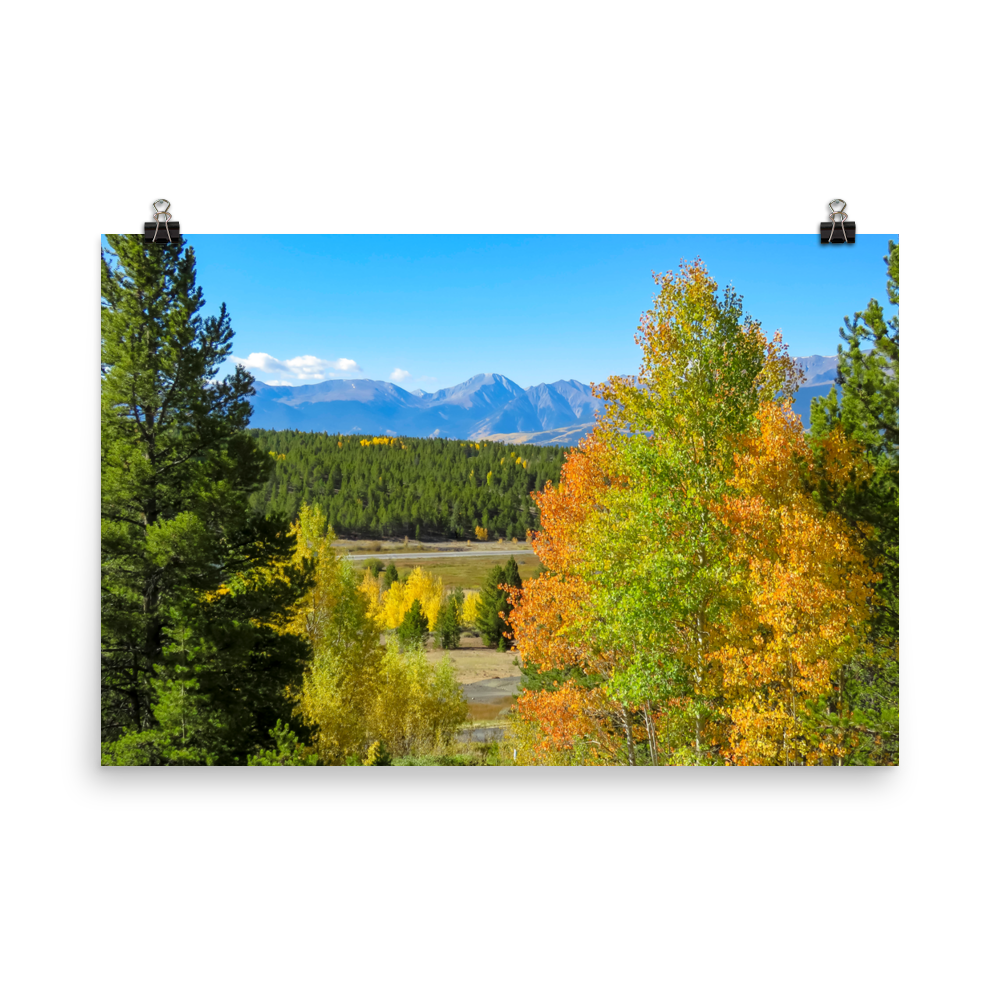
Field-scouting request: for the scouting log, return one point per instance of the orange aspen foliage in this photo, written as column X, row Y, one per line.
column 542, row 618
column 560, row 717
column 547, row 615
column 563, row 510
column 802, row 589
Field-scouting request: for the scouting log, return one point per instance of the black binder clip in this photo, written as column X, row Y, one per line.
column 828, row 230
column 161, row 229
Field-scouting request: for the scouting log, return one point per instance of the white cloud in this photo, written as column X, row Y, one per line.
column 279, row 383
column 262, row 362
column 307, row 366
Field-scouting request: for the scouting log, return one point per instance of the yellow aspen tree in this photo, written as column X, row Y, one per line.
column 417, row 703
column 470, row 608
column 801, row 591
column 655, row 553
column 340, row 688
column 369, row 586
column 429, row 590
column 418, row 586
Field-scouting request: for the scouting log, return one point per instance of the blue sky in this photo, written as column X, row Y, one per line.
column 431, row 311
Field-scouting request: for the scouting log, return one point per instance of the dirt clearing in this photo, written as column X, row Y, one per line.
column 474, row 662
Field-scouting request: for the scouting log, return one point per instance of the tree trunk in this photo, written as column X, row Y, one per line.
column 840, row 713
column 791, row 690
column 654, row 754
column 699, row 669
column 628, row 736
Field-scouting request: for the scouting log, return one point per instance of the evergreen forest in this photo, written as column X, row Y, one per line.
column 424, row 488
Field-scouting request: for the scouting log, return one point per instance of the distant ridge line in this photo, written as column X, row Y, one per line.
column 487, row 407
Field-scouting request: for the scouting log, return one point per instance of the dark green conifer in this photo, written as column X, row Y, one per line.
column 194, row 660
column 493, row 601
column 512, row 575
column 414, row 626
column 448, row 627
column 491, row 598
column 868, row 412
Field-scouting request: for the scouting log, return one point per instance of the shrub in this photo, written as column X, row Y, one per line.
column 444, row 760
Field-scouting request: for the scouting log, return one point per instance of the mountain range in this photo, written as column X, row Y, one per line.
column 485, row 407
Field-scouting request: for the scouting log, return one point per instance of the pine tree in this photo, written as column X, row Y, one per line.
column 448, row 626
column 512, row 576
column 494, row 602
column 868, row 412
column 194, row 657
column 490, row 600
column 414, row 626
column 289, row 751
column 512, row 579
column 390, row 576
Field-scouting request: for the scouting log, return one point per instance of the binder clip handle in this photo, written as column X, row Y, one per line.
column 843, row 215
column 162, row 215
